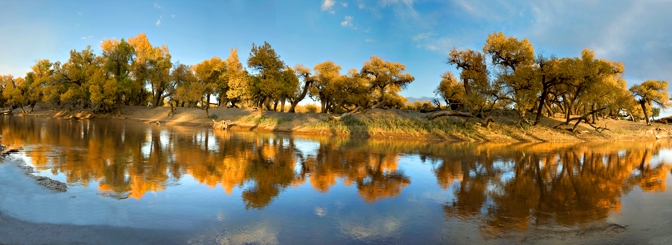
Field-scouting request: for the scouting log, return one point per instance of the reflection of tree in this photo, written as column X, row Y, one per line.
column 533, row 184
column 374, row 173
column 512, row 185
column 129, row 160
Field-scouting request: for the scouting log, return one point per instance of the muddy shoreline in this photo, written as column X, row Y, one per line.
column 29, row 171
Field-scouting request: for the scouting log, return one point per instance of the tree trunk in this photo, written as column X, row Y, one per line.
column 323, row 104
column 542, row 102
column 292, row 106
column 32, row 106
column 118, row 104
column 646, row 116
column 207, row 105
column 222, row 99
column 142, row 98
column 293, row 103
column 549, row 110
column 157, row 99
column 282, row 105
column 261, row 108
column 380, row 104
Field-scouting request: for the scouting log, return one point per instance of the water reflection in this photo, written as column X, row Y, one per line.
column 506, row 187
column 517, row 186
column 129, row 160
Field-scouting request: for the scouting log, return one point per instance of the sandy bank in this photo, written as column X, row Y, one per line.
column 392, row 124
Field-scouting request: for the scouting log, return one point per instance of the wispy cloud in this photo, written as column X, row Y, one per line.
column 327, row 4
column 371, row 41
column 361, row 6
column 84, row 38
column 347, row 21
column 158, row 22
column 345, row 5
column 157, row 6
column 172, row 16
column 79, row 13
column 428, row 41
column 422, row 36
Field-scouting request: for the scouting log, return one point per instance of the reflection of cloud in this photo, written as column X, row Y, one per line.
column 257, row 234
column 376, row 228
column 321, row 212
column 221, row 216
column 438, row 197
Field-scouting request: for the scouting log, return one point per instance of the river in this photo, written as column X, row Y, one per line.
column 130, row 182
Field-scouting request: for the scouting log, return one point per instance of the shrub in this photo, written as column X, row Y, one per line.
column 311, row 108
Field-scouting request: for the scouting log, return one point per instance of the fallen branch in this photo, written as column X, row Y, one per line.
column 584, row 118
column 350, row 113
column 469, row 116
column 224, row 124
column 425, row 109
column 450, row 114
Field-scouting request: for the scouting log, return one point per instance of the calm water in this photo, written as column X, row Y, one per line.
column 196, row 185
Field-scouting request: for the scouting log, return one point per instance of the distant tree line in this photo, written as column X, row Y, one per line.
column 134, row 72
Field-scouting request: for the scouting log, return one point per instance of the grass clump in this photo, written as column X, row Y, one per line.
column 264, row 120
column 393, row 125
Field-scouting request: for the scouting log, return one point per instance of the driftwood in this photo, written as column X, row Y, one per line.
column 350, row 113
column 6, row 152
column 6, row 112
column 469, row 116
column 224, row 124
column 584, row 119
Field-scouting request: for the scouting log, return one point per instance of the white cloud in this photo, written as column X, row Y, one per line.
column 158, row 22
column 371, row 41
column 172, row 15
column 157, row 6
column 79, row 13
column 327, row 4
column 347, row 21
column 161, row 17
column 361, row 6
column 84, row 38
column 345, row 5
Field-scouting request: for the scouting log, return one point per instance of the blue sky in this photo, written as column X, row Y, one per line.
column 416, row 33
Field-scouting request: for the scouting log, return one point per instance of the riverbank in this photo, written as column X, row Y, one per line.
column 392, row 123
